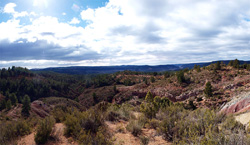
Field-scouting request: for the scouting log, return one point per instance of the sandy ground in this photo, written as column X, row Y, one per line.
column 243, row 118
column 122, row 137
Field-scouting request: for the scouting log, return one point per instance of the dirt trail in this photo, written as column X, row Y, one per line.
column 57, row 135
column 28, row 140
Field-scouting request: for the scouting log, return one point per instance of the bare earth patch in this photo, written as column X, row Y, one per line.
column 123, row 137
column 243, row 118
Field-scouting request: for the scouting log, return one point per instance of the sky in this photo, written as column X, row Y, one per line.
column 58, row 33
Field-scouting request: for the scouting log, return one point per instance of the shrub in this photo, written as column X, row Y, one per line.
column 22, row 128
column 116, row 112
column 73, row 127
column 154, row 123
column 44, row 130
column 86, row 138
column 134, row 127
column 144, row 140
column 11, row 130
column 91, row 120
column 152, row 105
column 120, row 129
column 60, row 113
column 113, row 116
column 231, row 124
column 87, row 127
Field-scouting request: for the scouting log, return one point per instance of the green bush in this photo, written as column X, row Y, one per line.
column 201, row 126
column 60, row 113
column 154, row 123
column 144, row 140
column 151, row 105
column 86, row 138
column 87, row 127
column 116, row 112
column 44, row 130
column 134, row 127
column 73, row 127
column 11, row 130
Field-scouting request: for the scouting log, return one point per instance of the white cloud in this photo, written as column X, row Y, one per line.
column 88, row 14
column 74, row 21
column 64, row 14
column 9, row 8
column 141, row 32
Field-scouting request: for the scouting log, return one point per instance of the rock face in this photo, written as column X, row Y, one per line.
column 40, row 108
column 239, row 103
column 188, row 94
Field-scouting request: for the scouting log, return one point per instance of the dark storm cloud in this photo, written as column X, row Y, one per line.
column 41, row 49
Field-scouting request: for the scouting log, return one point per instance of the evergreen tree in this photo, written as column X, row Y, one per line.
column 208, row 90
column 26, row 106
column 95, row 98
column 149, row 97
column 115, row 90
column 230, row 63
column 13, row 99
column 248, row 67
column 195, row 66
column 166, row 75
column 180, row 77
column 217, row 65
column 152, row 79
column 198, row 68
column 8, row 105
column 2, row 105
column 236, row 63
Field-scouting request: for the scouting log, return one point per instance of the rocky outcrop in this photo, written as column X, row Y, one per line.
column 188, row 94
column 40, row 108
column 239, row 103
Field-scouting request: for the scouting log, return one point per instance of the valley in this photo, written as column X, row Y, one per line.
column 208, row 104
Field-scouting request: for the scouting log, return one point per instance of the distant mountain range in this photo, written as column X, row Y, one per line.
column 113, row 69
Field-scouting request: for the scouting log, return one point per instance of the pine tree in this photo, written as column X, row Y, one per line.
column 248, row 67
column 180, row 77
column 115, row 90
column 208, row 90
column 198, row 68
column 236, row 63
column 149, row 97
column 195, row 66
column 95, row 98
column 152, row 79
column 8, row 105
column 2, row 105
column 166, row 75
column 13, row 99
column 26, row 106
column 230, row 63
column 217, row 65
